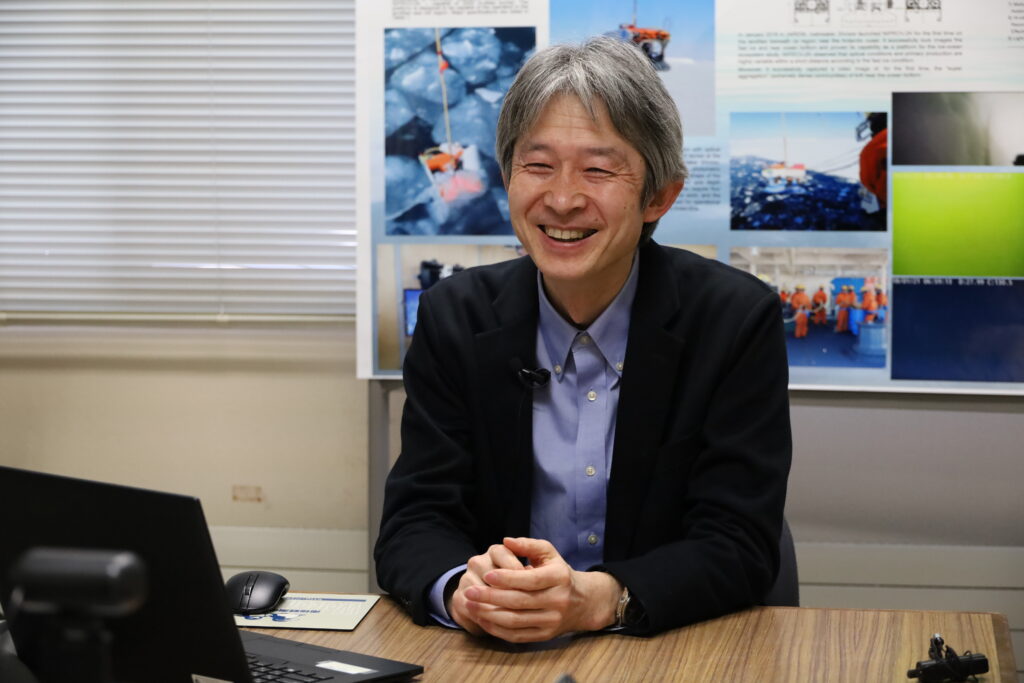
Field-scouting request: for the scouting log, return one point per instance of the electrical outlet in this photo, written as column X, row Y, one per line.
column 247, row 494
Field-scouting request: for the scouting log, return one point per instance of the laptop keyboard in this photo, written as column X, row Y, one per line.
column 267, row 672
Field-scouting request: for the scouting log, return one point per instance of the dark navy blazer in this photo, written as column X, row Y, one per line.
column 702, row 447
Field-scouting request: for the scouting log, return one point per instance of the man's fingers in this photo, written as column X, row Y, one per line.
column 492, row 618
column 509, row 619
column 501, row 597
column 539, row 578
column 537, row 551
column 503, row 558
column 519, row 627
column 509, row 599
column 518, row 635
column 470, row 579
column 478, row 612
column 496, row 557
column 459, row 612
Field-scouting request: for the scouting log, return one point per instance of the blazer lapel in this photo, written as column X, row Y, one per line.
column 508, row 403
column 652, row 355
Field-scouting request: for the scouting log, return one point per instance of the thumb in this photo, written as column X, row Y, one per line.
column 537, row 551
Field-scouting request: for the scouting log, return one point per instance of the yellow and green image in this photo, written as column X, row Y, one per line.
column 958, row 224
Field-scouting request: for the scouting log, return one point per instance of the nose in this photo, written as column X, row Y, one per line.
column 564, row 194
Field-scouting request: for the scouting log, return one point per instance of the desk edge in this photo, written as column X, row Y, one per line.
column 1004, row 647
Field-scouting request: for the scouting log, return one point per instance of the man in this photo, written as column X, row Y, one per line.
column 868, row 303
column 596, row 436
column 801, row 304
column 882, row 301
column 820, row 301
column 844, row 301
column 873, row 160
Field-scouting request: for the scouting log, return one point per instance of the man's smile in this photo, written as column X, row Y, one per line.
column 565, row 234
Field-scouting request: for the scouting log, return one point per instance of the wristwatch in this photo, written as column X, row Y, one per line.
column 629, row 613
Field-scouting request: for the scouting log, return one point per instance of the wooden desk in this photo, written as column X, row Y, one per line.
column 784, row 644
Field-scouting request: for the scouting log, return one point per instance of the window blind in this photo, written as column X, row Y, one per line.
column 176, row 157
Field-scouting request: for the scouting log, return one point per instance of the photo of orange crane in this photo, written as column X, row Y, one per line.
column 453, row 170
column 653, row 41
column 442, row 93
column 677, row 36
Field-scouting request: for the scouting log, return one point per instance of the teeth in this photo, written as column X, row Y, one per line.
column 567, row 235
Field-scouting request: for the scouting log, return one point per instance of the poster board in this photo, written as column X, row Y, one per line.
column 810, row 135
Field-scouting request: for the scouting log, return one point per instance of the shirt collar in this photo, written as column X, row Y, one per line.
column 609, row 331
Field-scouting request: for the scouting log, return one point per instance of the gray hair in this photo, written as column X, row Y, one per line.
column 612, row 72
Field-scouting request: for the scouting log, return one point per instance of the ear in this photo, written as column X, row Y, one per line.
column 662, row 201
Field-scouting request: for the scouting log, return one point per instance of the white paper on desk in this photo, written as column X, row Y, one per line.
column 322, row 611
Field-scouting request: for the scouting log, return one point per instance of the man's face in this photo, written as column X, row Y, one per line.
column 574, row 196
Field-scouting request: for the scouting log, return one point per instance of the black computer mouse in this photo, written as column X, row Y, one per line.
column 255, row 592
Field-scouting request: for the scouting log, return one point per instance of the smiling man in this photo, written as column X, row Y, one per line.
column 595, row 436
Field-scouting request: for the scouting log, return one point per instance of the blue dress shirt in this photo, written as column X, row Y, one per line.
column 573, row 432
column 574, row 426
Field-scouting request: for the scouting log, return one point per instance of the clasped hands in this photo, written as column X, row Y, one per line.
column 531, row 602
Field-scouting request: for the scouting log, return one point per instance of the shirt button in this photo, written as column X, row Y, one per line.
column 618, row 366
column 584, row 340
column 558, row 369
column 591, row 395
column 591, row 470
column 592, row 539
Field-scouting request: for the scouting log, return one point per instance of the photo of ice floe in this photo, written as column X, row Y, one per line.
column 443, row 91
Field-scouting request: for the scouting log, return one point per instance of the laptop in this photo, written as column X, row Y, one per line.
column 184, row 632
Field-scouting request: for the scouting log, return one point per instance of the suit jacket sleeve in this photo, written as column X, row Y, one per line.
column 427, row 526
column 706, row 538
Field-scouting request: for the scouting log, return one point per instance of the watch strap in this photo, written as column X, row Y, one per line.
column 620, row 610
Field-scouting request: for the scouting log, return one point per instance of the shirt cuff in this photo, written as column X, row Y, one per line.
column 437, row 608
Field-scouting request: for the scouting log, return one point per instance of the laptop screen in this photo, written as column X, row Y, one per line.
column 410, row 307
column 184, row 627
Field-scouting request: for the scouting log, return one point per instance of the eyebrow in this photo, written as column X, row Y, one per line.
column 607, row 152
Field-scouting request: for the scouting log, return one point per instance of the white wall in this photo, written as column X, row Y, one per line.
column 195, row 412
column 907, row 468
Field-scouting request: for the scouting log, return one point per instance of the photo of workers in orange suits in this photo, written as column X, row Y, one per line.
column 845, row 300
column 823, row 323
column 883, row 303
column 820, row 299
column 868, row 304
column 801, row 305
